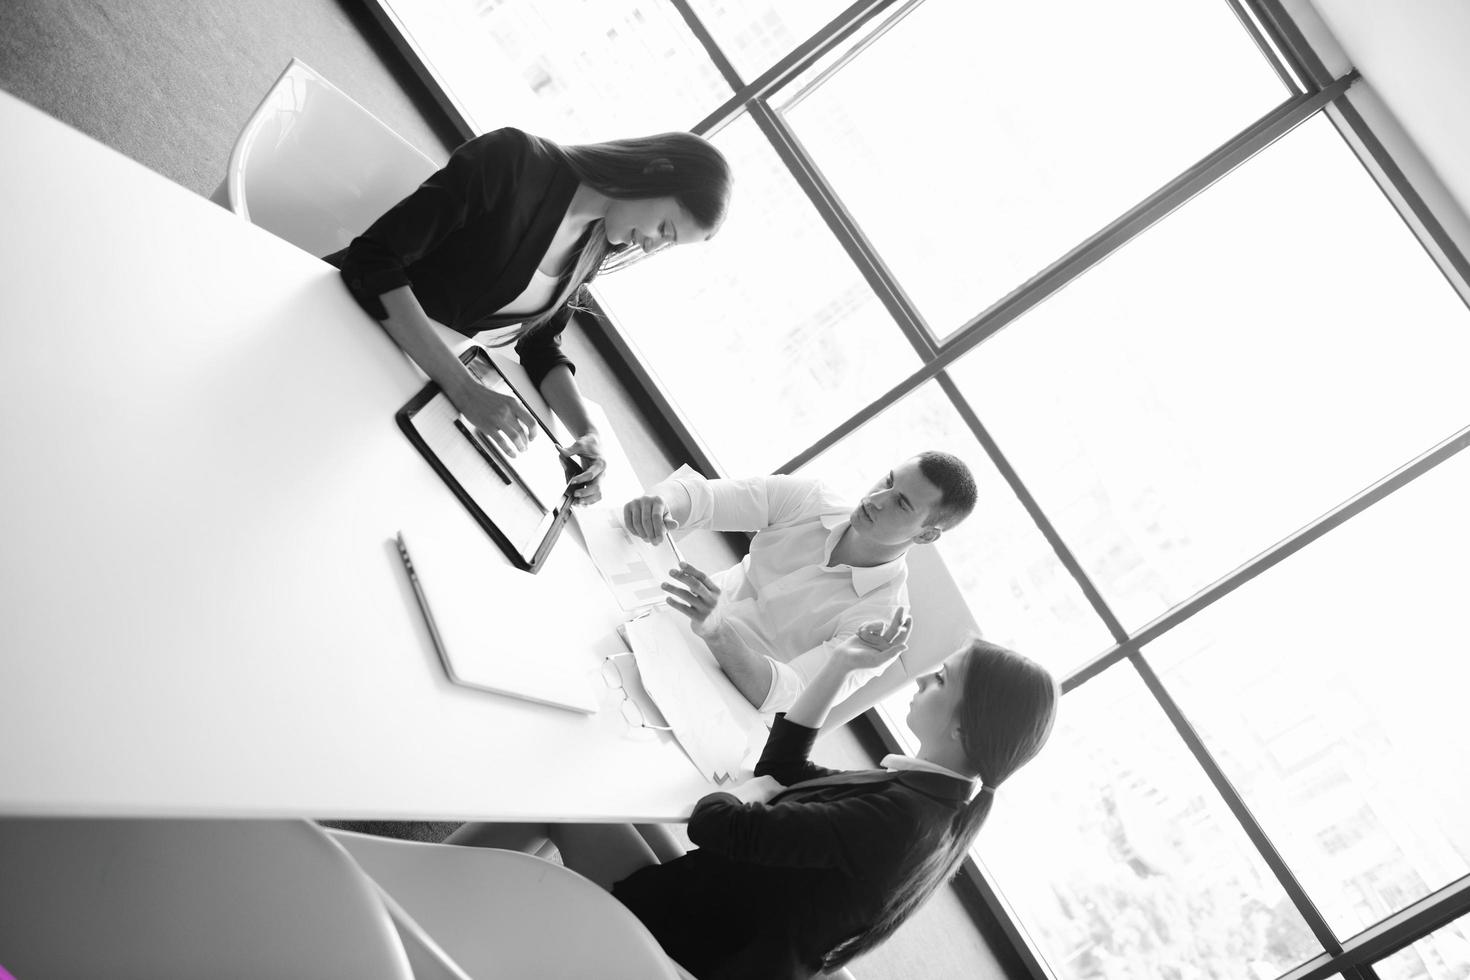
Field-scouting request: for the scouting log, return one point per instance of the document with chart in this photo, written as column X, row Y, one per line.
column 633, row 569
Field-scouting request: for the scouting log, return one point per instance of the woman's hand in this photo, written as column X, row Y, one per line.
column 502, row 418
column 588, row 484
column 876, row 643
column 699, row 599
column 757, row 790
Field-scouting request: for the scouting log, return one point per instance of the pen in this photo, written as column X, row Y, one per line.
column 669, row 537
column 418, row 591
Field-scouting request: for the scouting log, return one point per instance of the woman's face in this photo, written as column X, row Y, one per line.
column 651, row 224
column 932, row 711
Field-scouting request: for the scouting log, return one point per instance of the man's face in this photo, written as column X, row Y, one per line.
column 899, row 507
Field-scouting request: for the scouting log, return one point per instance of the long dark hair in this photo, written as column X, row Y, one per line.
column 1008, row 707
column 683, row 166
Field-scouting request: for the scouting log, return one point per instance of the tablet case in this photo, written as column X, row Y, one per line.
column 555, row 515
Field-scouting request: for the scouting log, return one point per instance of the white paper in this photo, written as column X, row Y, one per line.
column 711, row 719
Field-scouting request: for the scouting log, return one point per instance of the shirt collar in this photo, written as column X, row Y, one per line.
column 894, row 762
column 864, row 579
column 929, row 777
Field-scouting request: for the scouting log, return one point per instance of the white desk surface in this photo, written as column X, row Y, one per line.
column 201, row 610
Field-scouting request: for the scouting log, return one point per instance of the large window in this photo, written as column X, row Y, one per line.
column 1119, row 257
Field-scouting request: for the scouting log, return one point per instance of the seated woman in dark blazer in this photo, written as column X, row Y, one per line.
column 503, row 239
column 803, row 868
column 829, row 866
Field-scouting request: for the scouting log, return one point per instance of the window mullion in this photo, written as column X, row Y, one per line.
column 1283, row 549
column 711, row 47
column 802, row 57
column 1038, row 517
column 1291, row 545
column 1404, row 927
column 882, row 281
column 1142, row 216
column 1289, row 39
column 1044, row 284
column 1274, row 49
column 1242, row 813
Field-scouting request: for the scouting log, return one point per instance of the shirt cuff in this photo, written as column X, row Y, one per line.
column 786, row 684
column 676, row 498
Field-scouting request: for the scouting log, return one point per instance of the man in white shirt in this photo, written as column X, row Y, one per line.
column 818, row 567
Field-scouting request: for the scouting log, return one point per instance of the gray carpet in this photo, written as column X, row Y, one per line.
column 423, row 831
column 170, row 82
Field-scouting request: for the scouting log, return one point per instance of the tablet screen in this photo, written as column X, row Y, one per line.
column 520, row 499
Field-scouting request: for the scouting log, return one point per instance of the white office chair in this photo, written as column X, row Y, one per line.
column 316, row 168
column 497, row 913
column 188, row 898
column 942, row 622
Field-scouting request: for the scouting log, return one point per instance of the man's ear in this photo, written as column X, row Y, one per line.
column 928, row 536
column 662, row 165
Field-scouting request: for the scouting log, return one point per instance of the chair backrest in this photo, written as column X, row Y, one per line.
column 188, row 898
column 316, row 168
column 942, row 622
column 507, row 914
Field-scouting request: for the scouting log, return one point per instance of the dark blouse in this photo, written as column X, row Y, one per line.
column 772, row 888
column 469, row 238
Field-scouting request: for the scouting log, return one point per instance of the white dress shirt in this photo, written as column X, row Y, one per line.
column 784, row 600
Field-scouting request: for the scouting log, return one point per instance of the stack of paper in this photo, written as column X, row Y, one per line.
column 710, row 718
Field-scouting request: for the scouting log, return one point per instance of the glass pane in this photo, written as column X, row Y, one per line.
column 1020, row 595
column 1121, row 861
column 1441, row 955
column 572, row 71
column 1332, row 689
column 1265, row 352
column 755, row 34
column 975, row 143
column 766, row 336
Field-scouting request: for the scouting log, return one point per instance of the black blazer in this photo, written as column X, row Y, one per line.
column 468, row 239
column 773, row 887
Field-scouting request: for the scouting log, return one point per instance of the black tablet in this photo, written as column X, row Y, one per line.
column 521, row 500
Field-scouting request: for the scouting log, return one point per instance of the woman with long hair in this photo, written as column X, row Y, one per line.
column 803, row 868
column 499, row 243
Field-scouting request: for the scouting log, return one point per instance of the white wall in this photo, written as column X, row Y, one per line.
column 1414, row 56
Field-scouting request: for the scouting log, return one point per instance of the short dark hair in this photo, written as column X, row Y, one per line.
column 956, row 486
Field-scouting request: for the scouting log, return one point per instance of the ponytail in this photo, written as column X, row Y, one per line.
column 941, row 859
column 1006, row 715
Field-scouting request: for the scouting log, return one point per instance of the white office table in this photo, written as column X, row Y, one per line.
column 201, row 611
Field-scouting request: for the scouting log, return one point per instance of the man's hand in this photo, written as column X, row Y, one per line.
column 876, row 643
column 647, row 518
column 588, row 483
column 699, row 599
column 501, row 417
column 757, row 790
